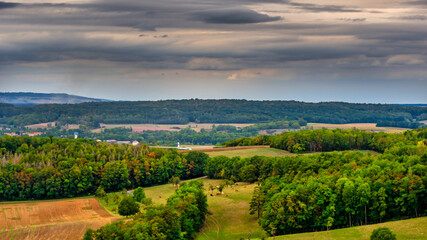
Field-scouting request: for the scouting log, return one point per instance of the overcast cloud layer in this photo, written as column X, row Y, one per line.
column 308, row 50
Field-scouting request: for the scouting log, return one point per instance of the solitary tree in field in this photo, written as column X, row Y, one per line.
column 139, row 194
column 175, row 181
column 128, row 206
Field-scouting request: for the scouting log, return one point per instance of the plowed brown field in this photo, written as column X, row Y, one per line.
column 63, row 219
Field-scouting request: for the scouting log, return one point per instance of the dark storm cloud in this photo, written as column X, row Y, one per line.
column 8, row 5
column 233, row 16
column 144, row 15
column 383, row 40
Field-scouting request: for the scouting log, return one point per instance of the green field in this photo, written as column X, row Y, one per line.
column 415, row 228
column 268, row 152
column 250, row 152
column 230, row 217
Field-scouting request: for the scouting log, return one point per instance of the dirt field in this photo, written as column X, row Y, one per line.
column 63, row 219
column 168, row 127
column 42, row 125
column 362, row 126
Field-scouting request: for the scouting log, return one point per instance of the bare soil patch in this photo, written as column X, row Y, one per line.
column 62, row 219
column 42, row 125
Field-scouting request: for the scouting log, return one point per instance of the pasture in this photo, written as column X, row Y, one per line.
column 57, row 219
column 229, row 219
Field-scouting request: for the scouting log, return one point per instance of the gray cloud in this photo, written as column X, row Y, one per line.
column 223, row 39
column 414, row 17
column 233, row 16
column 8, row 5
column 419, row 2
column 352, row 19
column 323, row 8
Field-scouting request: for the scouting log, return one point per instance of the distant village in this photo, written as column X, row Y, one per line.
column 7, row 131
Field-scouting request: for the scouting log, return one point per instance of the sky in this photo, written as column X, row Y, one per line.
column 372, row 51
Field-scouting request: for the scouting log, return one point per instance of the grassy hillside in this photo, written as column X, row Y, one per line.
column 230, row 218
column 250, row 152
column 415, row 228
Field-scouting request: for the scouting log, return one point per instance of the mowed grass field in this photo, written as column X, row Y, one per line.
column 371, row 127
column 250, row 152
column 59, row 219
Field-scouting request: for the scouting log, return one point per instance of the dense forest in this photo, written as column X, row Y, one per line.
column 208, row 111
column 46, row 168
column 325, row 140
column 334, row 190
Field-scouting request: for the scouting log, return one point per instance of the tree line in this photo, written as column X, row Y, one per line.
column 207, row 111
column 334, row 190
column 325, row 140
column 47, row 168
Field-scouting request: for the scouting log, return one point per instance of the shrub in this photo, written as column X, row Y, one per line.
column 128, row 206
column 100, row 192
column 383, row 234
column 139, row 194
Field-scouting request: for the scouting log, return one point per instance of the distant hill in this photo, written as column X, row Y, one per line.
column 211, row 111
column 30, row 98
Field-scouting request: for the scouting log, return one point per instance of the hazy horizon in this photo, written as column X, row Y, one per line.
column 167, row 99
column 363, row 51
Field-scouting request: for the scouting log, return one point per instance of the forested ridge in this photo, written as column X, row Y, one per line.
column 209, row 111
